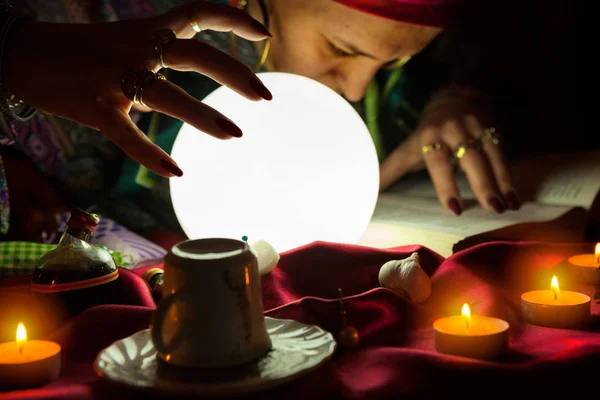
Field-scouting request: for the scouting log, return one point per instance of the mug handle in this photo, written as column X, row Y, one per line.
column 158, row 320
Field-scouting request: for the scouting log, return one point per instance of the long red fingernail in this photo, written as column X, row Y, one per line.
column 229, row 127
column 171, row 167
column 260, row 89
column 496, row 204
column 454, row 206
column 512, row 201
column 260, row 27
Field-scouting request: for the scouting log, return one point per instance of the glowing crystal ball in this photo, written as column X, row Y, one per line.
column 305, row 170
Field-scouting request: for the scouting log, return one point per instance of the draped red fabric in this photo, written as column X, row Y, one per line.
column 438, row 13
column 396, row 357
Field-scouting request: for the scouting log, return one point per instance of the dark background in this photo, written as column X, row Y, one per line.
column 542, row 57
column 539, row 55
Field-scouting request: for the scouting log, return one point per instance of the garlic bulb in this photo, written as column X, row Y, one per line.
column 266, row 256
column 407, row 278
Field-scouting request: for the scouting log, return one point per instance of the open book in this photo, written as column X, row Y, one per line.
column 557, row 192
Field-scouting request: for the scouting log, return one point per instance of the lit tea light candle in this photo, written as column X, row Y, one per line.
column 28, row 363
column 586, row 267
column 472, row 336
column 555, row 308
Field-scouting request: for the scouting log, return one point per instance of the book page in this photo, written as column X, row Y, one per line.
column 410, row 213
column 556, row 179
column 571, row 180
column 410, row 220
column 427, row 213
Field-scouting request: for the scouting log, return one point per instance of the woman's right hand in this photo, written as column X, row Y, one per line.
column 446, row 125
column 74, row 71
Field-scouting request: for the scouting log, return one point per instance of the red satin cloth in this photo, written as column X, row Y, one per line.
column 396, row 356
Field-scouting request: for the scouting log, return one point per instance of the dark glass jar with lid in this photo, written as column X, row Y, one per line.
column 76, row 275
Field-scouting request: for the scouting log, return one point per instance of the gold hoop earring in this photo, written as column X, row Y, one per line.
column 399, row 63
column 265, row 52
column 264, row 55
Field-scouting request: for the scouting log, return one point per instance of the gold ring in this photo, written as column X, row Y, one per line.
column 489, row 135
column 133, row 83
column 162, row 38
column 194, row 23
column 431, row 147
column 468, row 144
column 190, row 13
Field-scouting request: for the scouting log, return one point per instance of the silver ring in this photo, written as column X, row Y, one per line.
column 462, row 147
column 162, row 38
column 489, row 135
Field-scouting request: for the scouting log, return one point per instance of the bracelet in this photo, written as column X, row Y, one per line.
column 8, row 104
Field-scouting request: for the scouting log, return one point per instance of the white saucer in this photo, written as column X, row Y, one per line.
column 297, row 350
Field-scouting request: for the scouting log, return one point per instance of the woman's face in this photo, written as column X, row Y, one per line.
column 336, row 45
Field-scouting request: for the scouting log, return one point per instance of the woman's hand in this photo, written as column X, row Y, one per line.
column 74, row 71
column 447, row 123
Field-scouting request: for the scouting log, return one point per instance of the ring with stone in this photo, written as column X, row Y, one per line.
column 464, row 146
column 431, row 147
column 489, row 135
column 133, row 83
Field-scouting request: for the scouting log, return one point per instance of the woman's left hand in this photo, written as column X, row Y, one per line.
column 451, row 128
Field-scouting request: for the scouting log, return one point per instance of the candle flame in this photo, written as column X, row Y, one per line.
column 554, row 286
column 466, row 314
column 466, row 311
column 597, row 253
column 21, row 334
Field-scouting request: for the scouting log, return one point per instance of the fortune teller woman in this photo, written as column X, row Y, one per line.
column 135, row 71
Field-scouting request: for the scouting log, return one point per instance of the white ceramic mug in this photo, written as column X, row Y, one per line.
column 211, row 314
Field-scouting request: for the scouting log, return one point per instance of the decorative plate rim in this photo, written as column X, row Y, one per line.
column 219, row 391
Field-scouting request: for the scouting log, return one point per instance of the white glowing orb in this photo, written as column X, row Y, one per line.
column 305, row 170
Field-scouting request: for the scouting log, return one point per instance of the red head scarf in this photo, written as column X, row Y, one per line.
column 438, row 13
